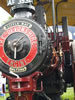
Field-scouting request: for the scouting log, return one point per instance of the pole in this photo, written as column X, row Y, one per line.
column 53, row 17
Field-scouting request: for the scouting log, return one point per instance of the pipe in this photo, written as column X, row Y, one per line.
column 56, row 8
column 57, row 15
column 53, row 17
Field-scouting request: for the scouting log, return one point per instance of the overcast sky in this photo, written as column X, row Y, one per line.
column 3, row 15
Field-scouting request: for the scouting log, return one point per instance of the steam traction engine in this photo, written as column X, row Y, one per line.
column 32, row 59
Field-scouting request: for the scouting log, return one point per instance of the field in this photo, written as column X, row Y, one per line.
column 69, row 95
column 4, row 98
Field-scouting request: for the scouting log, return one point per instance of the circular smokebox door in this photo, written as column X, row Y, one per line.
column 23, row 47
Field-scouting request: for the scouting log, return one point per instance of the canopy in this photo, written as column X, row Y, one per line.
column 64, row 9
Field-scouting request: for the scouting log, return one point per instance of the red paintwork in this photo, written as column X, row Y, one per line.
column 28, row 86
column 65, row 43
column 61, row 38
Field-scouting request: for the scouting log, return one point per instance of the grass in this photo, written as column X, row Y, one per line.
column 69, row 95
column 4, row 98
